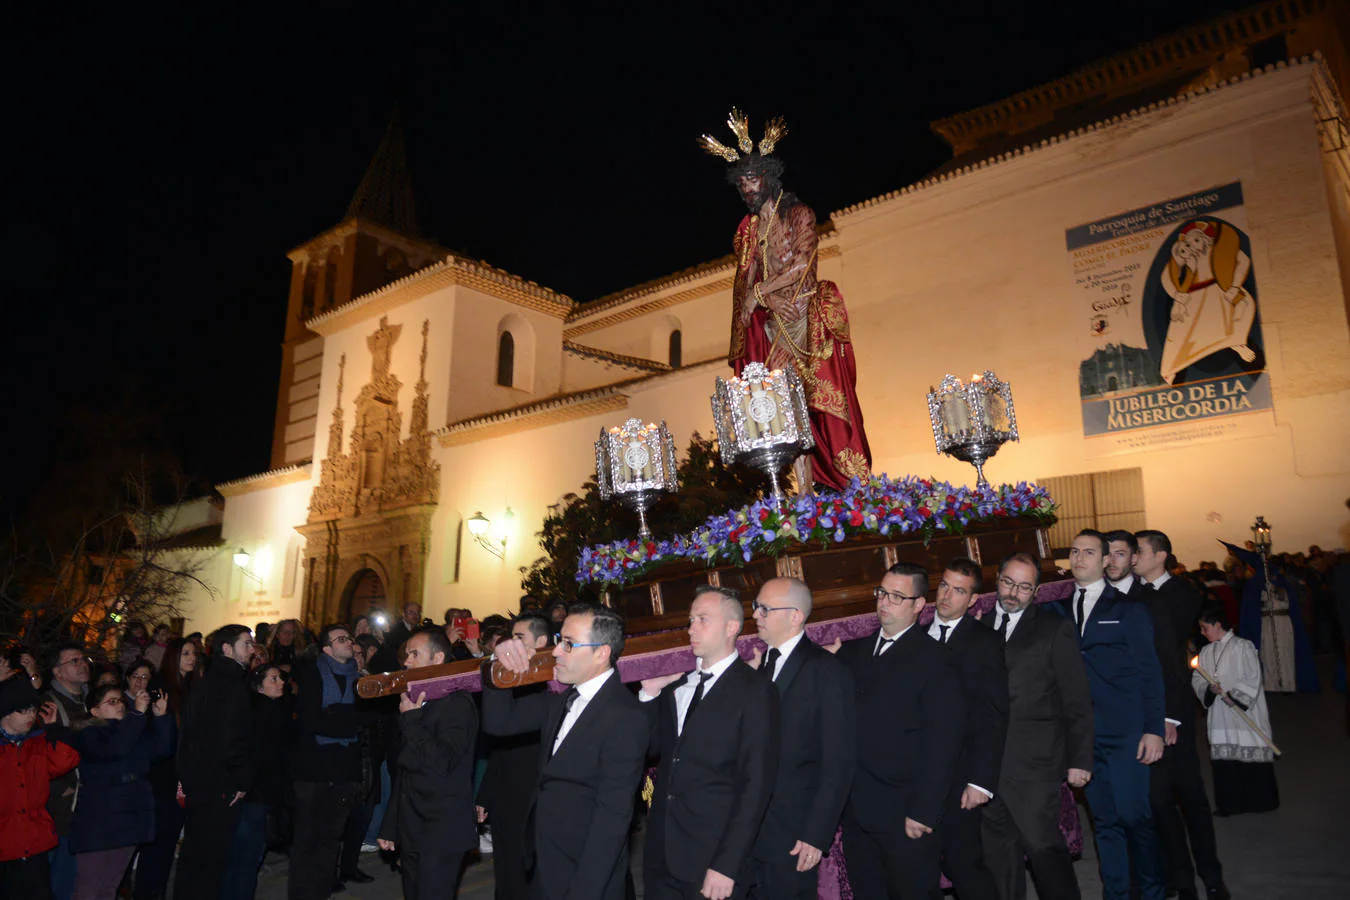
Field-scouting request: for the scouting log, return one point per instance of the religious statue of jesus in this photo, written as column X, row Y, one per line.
column 782, row 315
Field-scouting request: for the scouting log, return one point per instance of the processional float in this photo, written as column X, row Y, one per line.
column 761, row 421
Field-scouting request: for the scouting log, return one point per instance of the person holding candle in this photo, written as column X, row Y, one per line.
column 1243, row 760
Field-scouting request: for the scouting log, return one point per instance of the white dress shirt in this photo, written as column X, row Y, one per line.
column 881, row 635
column 1159, row 581
column 1124, row 584
column 1094, row 593
column 784, row 651
column 585, row 691
column 1013, row 619
column 684, row 694
column 936, row 633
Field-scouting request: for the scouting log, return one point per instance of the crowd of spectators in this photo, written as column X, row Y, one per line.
column 210, row 750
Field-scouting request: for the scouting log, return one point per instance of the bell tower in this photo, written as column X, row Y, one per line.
column 377, row 242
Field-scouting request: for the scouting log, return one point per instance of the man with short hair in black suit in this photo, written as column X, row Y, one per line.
column 1176, row 787
column 1049, row 740
column 816, row 752
column 430, row 818
column 507, row 792
column 984, row 681
column 592, row 752
column 1115, row 636
column 716, row 731
column 911, row 721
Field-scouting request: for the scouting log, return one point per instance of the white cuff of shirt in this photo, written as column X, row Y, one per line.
column 1172, row 722
column 642, row 697
column 989, row 794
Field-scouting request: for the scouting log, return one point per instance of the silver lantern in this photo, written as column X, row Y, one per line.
column 971, row 421
column 636, row 463
column 762, row 420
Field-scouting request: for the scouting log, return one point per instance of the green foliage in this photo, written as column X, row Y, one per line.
column 707, row 487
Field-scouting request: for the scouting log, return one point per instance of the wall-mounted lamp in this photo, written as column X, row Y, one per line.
column 241, row 559
column 478, row 527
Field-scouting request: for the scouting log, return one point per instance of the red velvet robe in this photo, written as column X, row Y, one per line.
column 803, row 324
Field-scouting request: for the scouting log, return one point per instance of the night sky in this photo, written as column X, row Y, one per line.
column 163, row 163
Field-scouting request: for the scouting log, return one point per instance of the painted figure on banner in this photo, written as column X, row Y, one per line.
column 1211, row 311
column 783, row 315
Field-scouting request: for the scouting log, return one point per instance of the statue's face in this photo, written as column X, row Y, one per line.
column 751, row 187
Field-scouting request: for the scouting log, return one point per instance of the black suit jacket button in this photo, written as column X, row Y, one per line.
column 670, row 796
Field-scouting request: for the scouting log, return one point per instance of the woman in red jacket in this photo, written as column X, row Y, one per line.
column 29, row 759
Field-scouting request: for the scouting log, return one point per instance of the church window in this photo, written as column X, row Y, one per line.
column 506, row 360
column 1101, row 500
column 676, row 348
column 330, row 274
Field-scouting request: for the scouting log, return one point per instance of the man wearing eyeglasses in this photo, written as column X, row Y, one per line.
column 816, row 752
column 717, row 733
column 911, row 717
column 67, row 689
column 327, row 761
column 1049, row 739
column 592, row 753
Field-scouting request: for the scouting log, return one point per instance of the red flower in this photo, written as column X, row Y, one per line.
column 855, row 518
column 764, row 514
column 651, row 548
column 925, row 512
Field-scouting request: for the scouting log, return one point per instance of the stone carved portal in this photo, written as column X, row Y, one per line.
column 371, row 511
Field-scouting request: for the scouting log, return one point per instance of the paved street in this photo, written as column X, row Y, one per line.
column 1295, row 853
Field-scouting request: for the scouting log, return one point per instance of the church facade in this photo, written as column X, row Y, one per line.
column 1164, row 287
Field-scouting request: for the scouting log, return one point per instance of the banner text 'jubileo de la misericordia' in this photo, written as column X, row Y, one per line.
column 1171, row 326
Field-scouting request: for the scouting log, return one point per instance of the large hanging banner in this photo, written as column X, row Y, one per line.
column 1172, row 349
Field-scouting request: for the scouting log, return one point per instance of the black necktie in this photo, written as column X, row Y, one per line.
column 771, row 661
column 569, row 697
column 1003, row 625
column 1082, row 595
column 942, row 633
column 698, row 696
column 881, row 645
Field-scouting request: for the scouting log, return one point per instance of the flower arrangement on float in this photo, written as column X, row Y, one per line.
column 879, row 506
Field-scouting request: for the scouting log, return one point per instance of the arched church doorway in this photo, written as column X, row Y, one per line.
column 364, row 592
column 1112, row 384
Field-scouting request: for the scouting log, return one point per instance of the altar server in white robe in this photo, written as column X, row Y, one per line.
column 1243, row 762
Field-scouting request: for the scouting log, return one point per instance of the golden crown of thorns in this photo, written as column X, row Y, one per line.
column 774, row 131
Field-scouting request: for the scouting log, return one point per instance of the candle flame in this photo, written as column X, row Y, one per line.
column 1195, row 662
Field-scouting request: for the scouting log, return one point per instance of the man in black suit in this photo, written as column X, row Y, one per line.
column 214, row 762
column 508, row 787
column 911, row 722
column 430, row 818
column 816, row 751
column 590, row 758
column 984, row 681
column 716, row 731
column 1049, row 740
column 1176, row 788
column 1115, row 636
